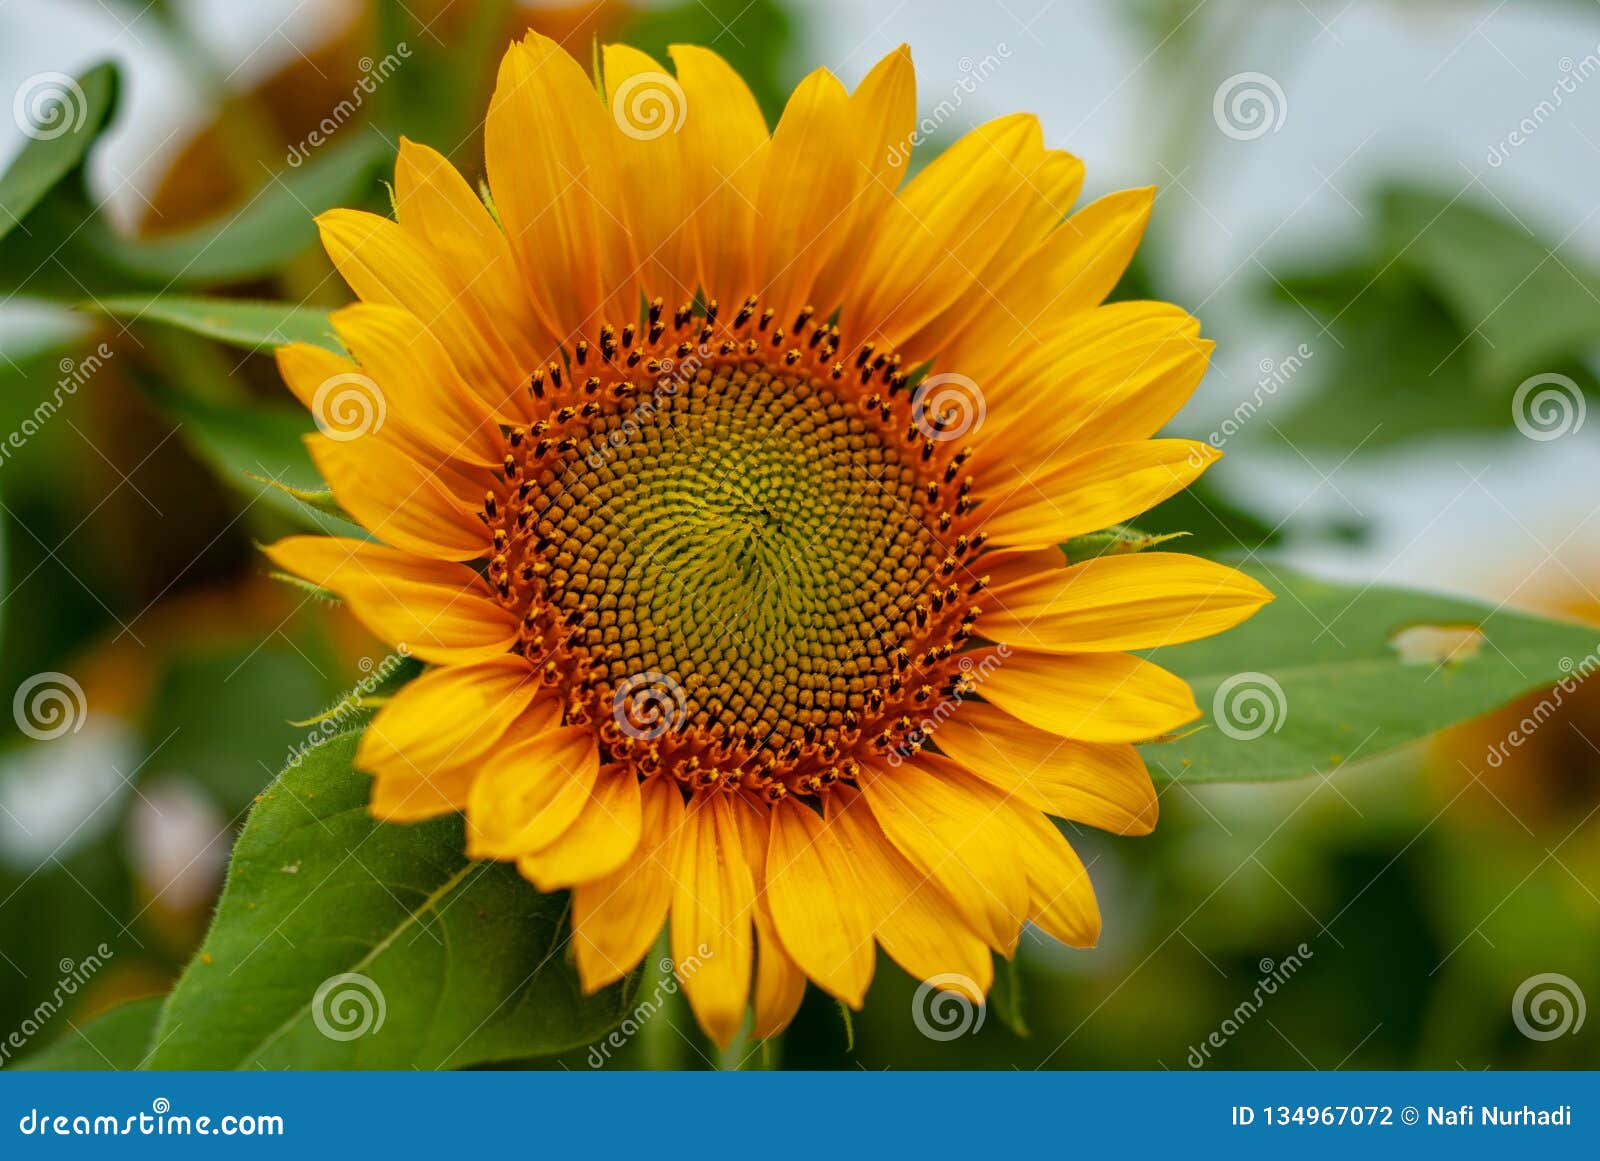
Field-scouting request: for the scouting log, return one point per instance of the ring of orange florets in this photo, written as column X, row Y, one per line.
column 554, row 556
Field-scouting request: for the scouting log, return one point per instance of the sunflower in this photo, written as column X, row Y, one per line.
column 718, row 475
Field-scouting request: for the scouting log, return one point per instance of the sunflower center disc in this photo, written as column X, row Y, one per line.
column 745, row 535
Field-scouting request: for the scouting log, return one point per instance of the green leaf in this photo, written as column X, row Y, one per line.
column 225, row 710
column 70, row 249
column 1334, row 673
column 73, row 114
column 115, row 1041
column 1523, row 297
column 258, row 448
column 1454, row 305
column 465, row 962
column 254, row 240
column 252, row 326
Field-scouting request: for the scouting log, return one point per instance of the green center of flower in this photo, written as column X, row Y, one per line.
column 747, row 537
column 736, row 566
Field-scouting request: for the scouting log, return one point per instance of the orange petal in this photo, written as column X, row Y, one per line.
column 946, row 827
column 1116, row 603
column 1103, row 785
column 1072, row 496
column 425, row 509
column 917, row 923
column 617, row 918
column 435, row 204
column 724, row 143
column 599, row 840
column 711, row 905
column 550, row 148
column 439, row 611
column 531, row 793
column 1093, row 697
column 816, row 903
column 807, row 190
column 780, row 985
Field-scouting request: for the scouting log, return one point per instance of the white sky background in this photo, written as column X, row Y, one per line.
column 1370, row 90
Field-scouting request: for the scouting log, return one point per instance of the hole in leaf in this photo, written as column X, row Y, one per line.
column 1437, row 644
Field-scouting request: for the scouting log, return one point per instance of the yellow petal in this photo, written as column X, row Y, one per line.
column 1068, row 497
column 1060, row 896
column 711, row 921
column 550, row 147
column 385, row 264
column 423, row 509
column 439, row 611
column 1116, row 603
column 724, row 145
column 917, row 923
column 1093, row 697
column 421, row 389
column 883, row 113
column 617, row 918
column 1103, row 785
column 419, row 799
column 651, row 109
column 426, row 743
column 436, row 205
column 816, row 903
column 1047, row 194
column 810, row 182
column 599, row 840
column 780, row 985
column 1080, row 263
column 945, row 227
column 946, row 827
column 1086, row 387
column 531, row 793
